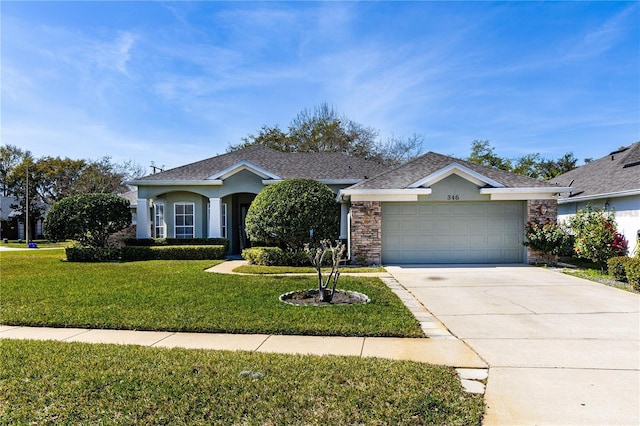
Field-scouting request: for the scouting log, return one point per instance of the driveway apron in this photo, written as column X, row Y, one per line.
column 561, row 350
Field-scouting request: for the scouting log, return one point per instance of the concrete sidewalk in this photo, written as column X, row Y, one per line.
column 561, row 350
column 448, row 352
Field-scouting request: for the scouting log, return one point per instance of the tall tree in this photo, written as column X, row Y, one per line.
column 322, row 129
column 532, row 165
column 56, row 178
column 483, row 153
column 10, row 157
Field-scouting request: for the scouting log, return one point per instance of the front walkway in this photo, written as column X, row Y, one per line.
column 561, row 350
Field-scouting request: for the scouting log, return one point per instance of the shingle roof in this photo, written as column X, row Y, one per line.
column 312, row 165
column 431, row 162
column 616, row 172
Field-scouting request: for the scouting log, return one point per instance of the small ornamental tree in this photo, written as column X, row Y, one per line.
column 316, row 255
column 596, row 235
column 87, row 218
column 290, row 213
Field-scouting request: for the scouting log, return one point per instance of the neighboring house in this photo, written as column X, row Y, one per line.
column 11, row 227
column 132, row 196
column 612, row 183
column 433, row 209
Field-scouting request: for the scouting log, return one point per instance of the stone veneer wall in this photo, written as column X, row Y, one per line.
column 366, row 232
column 542, row 212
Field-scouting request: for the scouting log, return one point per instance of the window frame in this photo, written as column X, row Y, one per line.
column 159, row 222
column 223, row 220
column 184, row 215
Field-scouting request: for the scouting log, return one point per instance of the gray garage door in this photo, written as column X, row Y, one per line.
column 474, row 232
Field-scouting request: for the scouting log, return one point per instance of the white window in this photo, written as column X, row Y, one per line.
column 158, row 221
column 184, row 220
column 223, row 220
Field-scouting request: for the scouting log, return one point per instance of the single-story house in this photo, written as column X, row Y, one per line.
column 611, row 183
column 433, row 209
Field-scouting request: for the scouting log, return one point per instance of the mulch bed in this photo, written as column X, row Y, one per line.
column 311, row 298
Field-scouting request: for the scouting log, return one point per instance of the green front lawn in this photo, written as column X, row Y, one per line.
column 39, row 289
column 75, row 383
column 591, row 271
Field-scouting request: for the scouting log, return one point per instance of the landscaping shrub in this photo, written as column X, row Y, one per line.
column 550, row 238
column 293, row 212
column 152, row 242
column 616, row 267
column 596, row 236
column 92, row 254
column 632, row 268
column 264, row 256
column 136, row 253
column 140, row 242
column 296, row 258
column 275, row 256
column 87, row 218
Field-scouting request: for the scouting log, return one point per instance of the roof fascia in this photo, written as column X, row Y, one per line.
column 534, row 193
column 618, row 194
column 243, row 165
column 325, row 181
column 381, row 194
column 460, row 170
column 208, row 182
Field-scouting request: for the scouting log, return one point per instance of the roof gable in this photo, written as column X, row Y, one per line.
column 240, row 166
column 459, row 170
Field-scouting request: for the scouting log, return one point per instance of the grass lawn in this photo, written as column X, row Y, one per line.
column 38, row 289
column 76, row 383
column 591, row 271
column 256, row 269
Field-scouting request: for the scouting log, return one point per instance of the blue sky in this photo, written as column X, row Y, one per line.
column 176, row 82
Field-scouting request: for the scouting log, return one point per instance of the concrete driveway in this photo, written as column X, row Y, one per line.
column 561, row 350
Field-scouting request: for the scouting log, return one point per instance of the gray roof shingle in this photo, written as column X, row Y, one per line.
column 431, row 162
column 616, row 172
column 311, row 165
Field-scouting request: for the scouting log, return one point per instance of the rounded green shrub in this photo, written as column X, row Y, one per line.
column 88, row 219
column 291, row 213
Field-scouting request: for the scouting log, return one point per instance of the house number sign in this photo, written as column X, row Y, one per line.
column 453, row 197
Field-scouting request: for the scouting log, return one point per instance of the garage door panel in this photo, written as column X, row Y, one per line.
column 481, row 232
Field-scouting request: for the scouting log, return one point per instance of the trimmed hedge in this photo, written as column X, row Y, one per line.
column 616, row 267
column 264, row 256
column 92, row 254
column 275, row 256
column 632, row 268
column 138, row 253
column 182, row 252
column 152, row 242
